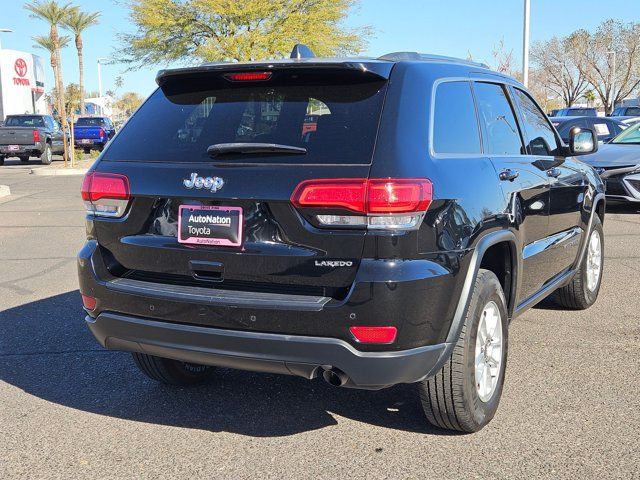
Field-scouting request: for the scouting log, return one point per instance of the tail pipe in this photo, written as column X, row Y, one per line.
column 335, row 376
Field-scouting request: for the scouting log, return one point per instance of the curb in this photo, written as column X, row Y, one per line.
column 58, row 171
column 5, row 191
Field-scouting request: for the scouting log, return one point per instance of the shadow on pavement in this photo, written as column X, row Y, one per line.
column 46, row 351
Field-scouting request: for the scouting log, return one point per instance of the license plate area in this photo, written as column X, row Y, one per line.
column 210, row 225
column 86, row 141
column 13, row 148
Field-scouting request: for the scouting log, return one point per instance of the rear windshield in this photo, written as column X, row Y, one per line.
column 335, row 121
column 633, row 112
column 90, row 122
column 26, row 121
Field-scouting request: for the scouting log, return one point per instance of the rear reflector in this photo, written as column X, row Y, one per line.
column 105, row 194
column 374, row 334
column 89, row 302
column 248, row 76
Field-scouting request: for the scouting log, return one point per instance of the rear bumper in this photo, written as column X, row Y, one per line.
column 284, row 333
column 266, row 352
column 32, row 149
column 92, row 143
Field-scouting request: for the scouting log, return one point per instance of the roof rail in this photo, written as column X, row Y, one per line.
column 425, row 57
column 301, row 51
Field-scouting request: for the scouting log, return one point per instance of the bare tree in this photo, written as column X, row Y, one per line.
column 613, row 42
column 558, row 58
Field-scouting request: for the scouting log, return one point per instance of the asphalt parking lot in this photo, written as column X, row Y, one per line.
column 69, row 409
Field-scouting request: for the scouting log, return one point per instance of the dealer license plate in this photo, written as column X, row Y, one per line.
column 210, row 225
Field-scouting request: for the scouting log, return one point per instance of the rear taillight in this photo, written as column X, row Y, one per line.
column 101, row 132
column 105, row 194
column 36, row 136
column 381, row 203
column 380, row 335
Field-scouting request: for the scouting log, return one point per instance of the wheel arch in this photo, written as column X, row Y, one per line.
column 491, row 248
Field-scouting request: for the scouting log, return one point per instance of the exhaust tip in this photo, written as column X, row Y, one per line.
column 335, row 377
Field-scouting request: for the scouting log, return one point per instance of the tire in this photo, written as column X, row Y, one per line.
column 87, row 151
column 453, row 399
column 1, row 160
column 46, row 156
column 171, row 372
column 582, row 291
column 24, row 159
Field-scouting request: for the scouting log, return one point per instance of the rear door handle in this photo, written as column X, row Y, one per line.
column 509, row 175
column 554, row 172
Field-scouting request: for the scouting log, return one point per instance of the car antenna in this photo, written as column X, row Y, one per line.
column 301, row 51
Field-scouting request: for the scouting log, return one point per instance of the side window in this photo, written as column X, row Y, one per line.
column 455, row 126
column 540, row 136
column 501, row 130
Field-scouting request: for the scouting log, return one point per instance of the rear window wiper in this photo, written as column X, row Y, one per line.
column 219, row 149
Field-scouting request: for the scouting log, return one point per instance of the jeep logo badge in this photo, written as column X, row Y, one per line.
column 210, row 183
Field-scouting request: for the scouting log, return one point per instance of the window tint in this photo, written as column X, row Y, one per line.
column 335, row 121
column 632, row 112
column 541, row 139
column 455, row 126
column 496, row 115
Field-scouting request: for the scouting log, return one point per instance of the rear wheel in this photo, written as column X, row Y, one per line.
column 87, row 151
column 583, row 290
column 1, row 160
column 172, row 372
column 24, row 159
column 46, row 156
column 464, row 395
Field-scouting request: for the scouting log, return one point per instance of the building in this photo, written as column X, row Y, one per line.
column 21, row 83
column 99, row 106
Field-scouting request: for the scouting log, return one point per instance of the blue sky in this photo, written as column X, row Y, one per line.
column 456, row 28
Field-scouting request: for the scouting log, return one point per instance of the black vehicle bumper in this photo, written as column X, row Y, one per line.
column 265, row 352
column 292, row 334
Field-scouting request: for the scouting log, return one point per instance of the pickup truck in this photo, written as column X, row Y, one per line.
column 93, row 133
column 25, row 136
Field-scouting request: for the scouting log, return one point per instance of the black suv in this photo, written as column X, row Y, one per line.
column 392, row 241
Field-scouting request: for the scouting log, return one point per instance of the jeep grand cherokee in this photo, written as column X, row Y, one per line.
column 390, row 242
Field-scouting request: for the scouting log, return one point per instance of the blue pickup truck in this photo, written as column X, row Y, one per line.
column 93, row 133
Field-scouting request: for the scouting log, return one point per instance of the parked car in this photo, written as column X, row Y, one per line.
column 93, row 133
column 618, row 163
column 25, row 136
column 433, row 203
column 553, row 113
column 631, row 111
column 605, row 128
column 576, row 112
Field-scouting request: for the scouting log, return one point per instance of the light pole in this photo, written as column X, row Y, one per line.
column 100, row 75
column 4, row 30
column 612, row 95
column 525, row 44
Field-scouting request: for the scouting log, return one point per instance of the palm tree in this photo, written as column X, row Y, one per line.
column 589, row 96
column 76, row 22
column 54, row 14
column 47, row 44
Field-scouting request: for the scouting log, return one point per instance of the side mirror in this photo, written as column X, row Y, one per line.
column 582, row 141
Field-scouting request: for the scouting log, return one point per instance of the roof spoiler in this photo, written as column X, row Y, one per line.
column 377, row 70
